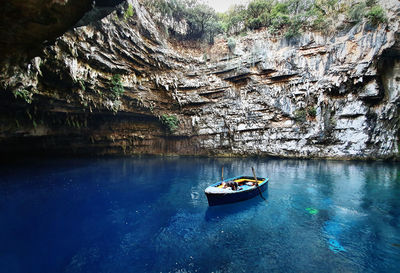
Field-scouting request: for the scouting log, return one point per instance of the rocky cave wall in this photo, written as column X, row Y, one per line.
column 314, row 96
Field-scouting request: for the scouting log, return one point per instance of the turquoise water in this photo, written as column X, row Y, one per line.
column 150, row 215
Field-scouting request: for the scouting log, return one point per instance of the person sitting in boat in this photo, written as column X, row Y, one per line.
column 230, row 184
column 251, row 183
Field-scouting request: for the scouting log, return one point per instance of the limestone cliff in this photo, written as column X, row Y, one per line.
column 332, row 96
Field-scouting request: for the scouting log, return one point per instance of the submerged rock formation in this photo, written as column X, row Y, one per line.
column 314, row 96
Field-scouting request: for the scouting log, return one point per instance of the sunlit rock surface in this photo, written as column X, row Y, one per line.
column 313, row 96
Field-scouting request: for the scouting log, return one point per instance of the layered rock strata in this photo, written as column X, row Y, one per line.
column 314, row 96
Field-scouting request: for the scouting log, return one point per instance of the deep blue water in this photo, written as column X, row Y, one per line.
column 151, row 215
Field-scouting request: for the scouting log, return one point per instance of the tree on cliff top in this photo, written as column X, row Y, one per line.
column 201, row 19
column 288, row 17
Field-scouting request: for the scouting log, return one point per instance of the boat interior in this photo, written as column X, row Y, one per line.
column 245, row 183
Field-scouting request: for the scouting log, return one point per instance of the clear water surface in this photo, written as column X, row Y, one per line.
column 151, row 215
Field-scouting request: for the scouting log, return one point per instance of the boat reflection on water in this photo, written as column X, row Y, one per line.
column 215, row 213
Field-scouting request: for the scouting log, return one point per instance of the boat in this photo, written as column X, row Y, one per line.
column 247, row 188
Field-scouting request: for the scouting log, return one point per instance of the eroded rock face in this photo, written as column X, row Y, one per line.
column 315, row 96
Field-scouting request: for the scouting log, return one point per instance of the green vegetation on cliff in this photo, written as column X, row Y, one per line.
column 170, row 122
column 368, row 9
column 116, row 86
column 290, row 17
column 285, row 17
column 376, row 15
column 201, row 19
column 24, row 94
column 129, row 12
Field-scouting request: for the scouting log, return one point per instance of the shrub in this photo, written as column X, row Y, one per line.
column 231, row 44
column 117, row 88
column 211, row 28
column 233, row 20
column 318, row 18
column 254, row 23
column 319, row 23
column 201, row 19
column 23, row 94
column 278, row 21
column 170, row 121
column 293, row 31
column 311, row 111
column 258, row 13
column 294, row 27
column 300, row 115
column 129, row 12
column 376, row 15
column 357, row 12
column 258, row 7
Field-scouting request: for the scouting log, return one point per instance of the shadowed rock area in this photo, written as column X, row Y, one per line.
column 314, row 96
column 26, row 26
